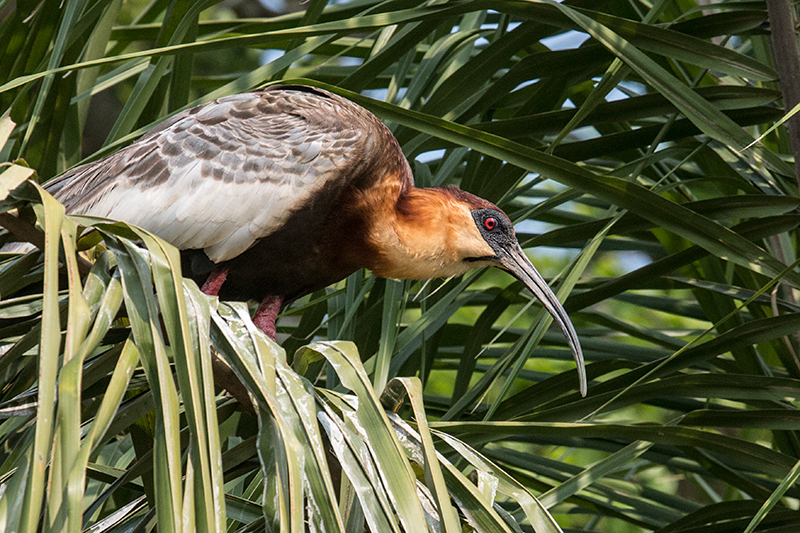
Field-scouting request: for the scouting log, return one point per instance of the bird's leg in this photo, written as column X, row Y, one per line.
column 215, row 280
column 267, row 314
column 224, row 375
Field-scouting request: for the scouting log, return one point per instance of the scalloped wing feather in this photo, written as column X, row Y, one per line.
column 223, row 175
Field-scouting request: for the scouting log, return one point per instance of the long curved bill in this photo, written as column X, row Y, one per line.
column 517, row 263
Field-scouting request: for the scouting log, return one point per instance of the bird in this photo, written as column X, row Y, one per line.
column 273, row 194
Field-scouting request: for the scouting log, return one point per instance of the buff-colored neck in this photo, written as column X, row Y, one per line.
column 427, row 233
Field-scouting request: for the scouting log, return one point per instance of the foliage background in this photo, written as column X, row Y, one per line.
column 615, row 133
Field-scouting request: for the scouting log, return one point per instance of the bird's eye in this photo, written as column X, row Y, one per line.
column 490, row 223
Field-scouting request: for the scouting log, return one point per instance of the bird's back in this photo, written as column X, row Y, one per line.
column 224, row 175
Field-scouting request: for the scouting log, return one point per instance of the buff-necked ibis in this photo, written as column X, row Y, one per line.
column 274, row 194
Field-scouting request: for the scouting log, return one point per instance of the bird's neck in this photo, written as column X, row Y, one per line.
column 415, row 238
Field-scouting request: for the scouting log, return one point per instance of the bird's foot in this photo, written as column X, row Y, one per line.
column 267, row 314
column 225, row 377
column 215, row 280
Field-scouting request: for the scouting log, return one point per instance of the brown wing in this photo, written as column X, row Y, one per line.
column 225, row 174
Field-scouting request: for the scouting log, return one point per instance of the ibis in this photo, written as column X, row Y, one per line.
column 273, row 194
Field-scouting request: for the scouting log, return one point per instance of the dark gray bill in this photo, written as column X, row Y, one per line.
column 517, row 263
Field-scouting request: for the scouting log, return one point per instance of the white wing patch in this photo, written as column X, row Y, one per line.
column 222, row 218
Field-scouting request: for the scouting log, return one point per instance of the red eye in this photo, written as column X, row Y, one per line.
column 490, row 223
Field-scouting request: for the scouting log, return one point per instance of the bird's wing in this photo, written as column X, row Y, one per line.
column 220, row 176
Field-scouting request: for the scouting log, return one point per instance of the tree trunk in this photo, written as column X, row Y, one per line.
column 787, row 62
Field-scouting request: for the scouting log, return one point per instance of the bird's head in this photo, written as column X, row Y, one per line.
column 442, row 232
column 496, row 231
